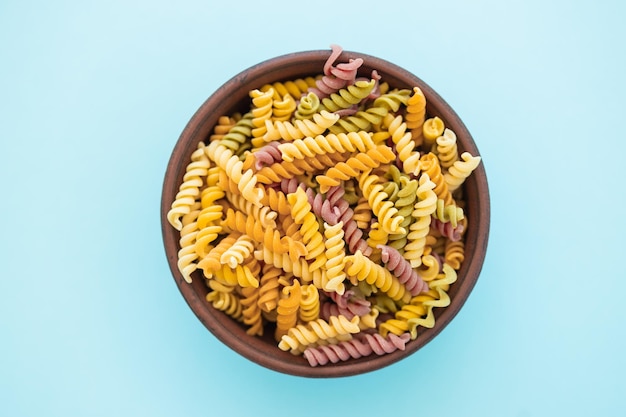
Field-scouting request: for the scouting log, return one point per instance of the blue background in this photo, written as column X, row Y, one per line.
column 93, row 96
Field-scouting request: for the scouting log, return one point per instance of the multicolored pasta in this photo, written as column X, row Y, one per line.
column 331, row 214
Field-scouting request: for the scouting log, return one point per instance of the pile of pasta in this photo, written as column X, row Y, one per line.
column 331, row 214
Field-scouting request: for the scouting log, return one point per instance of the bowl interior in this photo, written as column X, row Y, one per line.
column 233, row 96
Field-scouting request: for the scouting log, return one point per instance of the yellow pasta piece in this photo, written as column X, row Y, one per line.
column 454, row 253
column 432, row 129
column 420, row 227
column 364, row 269
column 416, row 115
column 187, row 255
column 227, row 302
column 319, row 145
column 251, row 312
column 189, row 190
column 300, row 128
column 431, row 167
column 335, row 254
column 309, row 227
column 354, row 166
column 309, row 304
column 447, row 151
column 288, row 309
column 382, row 208
column 460, row 170
column 300, row 336
column 238, row 252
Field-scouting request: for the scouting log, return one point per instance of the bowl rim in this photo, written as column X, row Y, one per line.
column 203, row 121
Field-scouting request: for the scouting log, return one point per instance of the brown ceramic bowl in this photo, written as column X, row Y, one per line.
column 233, row 96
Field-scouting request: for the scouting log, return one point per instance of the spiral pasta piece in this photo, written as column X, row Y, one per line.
column 346, row 304
column 295, row 88
column 336, row 77
column 223, row 126
column 460, row 170
column 189, row 190
column 354, row 166
column 271, row 238
column 405, row 145
column 448, row 213
column 454, row 253
column 431, row 130
column 264, row 215
column 447, row 150
column 268, row 290
column 335, row 254
column 436, row 297
column 287, row 310
column 284, row 108
column 240, row 275
column 377, row 236
column 349, row 96
column 300, row 128
column 404, row 204
column 307, row 107
column 299, row 267
column 430, row 166
column 227, row 302
column 230, row 163
column 419, row 311
column 311, row 147
column 277, row 201
column 344, row 214
column 187, row 255
column 422, row 212
column 238, row 136
column 311, row 236
column 430, row 267
column 361, row 120
column 448, row 230
column 251, row 312
column 362, row 213
column 364, row 269
column 402, row 269
column 382, row 208
column 301, row 336
column 393, row 100
column 208, row 219
column 286, row 170
column 211, row 262
column 309, row 304
column 356, row 348
column 416, row 115
column 261, row 111
column 209, row 228
column 240, row 250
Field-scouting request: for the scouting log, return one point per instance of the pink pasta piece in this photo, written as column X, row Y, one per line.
column 352, row 234
column 290, row 185
column 345, row 304
column 267, row 155
column 322, row 208
column 362, row 345
column 347, row 112
column 336, row 77
column 446, row 229
column 402, row 269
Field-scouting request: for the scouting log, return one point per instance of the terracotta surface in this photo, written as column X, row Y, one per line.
column 233, row 96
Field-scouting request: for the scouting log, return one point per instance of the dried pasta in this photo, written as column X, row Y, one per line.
column 329, row 215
